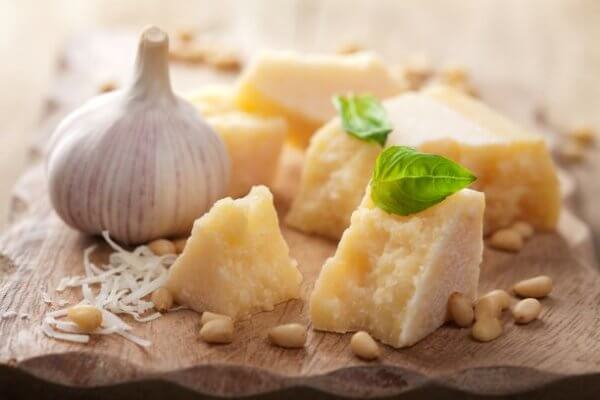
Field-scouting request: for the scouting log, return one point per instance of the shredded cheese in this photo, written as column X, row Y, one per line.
column 120, row 287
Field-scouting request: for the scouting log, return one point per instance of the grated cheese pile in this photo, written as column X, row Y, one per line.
column 121, row 288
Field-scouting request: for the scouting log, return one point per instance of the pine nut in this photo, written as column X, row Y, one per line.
column 364, row 346
column 454, row 75
column 506, row 239
column 537, row 287
column 525, row 230
column 207, row 316
column 350, row 48
column 108, row 86
column 180, row 245
column 486, row 329
column 460, row 309
column 583, row 134
column 186, row 35
column 526, row 311
column 290, row 336
column 571, row 151
column 219, row 331
column 161, row 247
column 162, row 299
column 501, row 297
column 87, row 317
column 489, row 307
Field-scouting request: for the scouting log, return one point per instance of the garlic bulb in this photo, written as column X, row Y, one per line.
column 139, row 162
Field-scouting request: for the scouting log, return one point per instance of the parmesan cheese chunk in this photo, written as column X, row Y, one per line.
column 513, row 167
column 299, row 87
column 337, row 168
column 392, row 275
column 254, row 143
column 236, row 261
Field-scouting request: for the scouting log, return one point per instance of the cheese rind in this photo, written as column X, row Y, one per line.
column 392, row 275
column 236, row 261
column 335, row 166
column 254, row 143
column 513, row 167
column 300, row 87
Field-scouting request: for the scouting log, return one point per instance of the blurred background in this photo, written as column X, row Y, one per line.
column 525, row 57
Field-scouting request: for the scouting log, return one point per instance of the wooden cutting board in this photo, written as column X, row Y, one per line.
column 556, row 355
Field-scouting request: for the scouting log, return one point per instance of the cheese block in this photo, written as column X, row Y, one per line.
column 254, row 143
column 300, row 86
column 392, row 275
column 213, row 99
column 337, row 168
column 513, row 167
column 236, row 261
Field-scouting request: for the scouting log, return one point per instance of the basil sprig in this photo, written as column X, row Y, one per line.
column 363, row 117
column 406, row 181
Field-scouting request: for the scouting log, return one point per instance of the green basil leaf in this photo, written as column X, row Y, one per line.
column 406, row 181
column 363, row 117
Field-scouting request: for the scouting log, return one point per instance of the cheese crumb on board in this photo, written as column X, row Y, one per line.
column 513, row 167
column 392, row 275
column 254, row 143
column 299, row 87
column 236, row 261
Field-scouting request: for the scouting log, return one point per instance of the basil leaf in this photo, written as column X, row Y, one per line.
column 406, row 181
column 363, row 117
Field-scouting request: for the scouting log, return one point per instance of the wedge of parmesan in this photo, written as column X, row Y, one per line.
column 236, row 261
column 392, row 275
column 513, row 167
column 254, row 142
column 299, row 87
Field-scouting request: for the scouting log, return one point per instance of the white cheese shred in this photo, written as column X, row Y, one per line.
column 116, row 288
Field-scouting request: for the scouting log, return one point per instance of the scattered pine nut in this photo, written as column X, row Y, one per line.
column 223, row 60
column 524, row 229
column 537, row 287
column 218, row 331
column 488, row 307
column 506, row 239
column 460, row 309
column 162, row 299
column 88, row 318
column 207, row 316
column 161, row 247
column 108, row 86
column 416, row 75
column 350, row 48
column 289, row 336
column 180, row 245
column 185, row 35
column 455, row 75
column 500, row 296
column 583, row 134
column 487, row 329
column 364, row 346
column 526, row 310
column 192, row 54
column 571, row 151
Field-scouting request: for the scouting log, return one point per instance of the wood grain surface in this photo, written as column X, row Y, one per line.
column 561, row 351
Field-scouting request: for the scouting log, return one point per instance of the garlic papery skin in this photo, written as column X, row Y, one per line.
column 139, row 162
